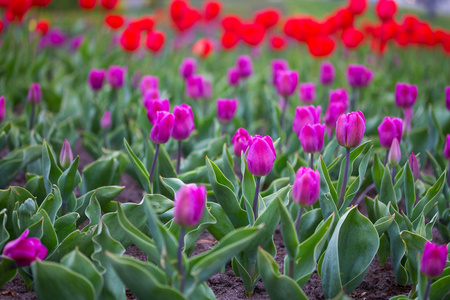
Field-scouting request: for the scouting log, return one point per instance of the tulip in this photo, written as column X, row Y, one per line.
column 447, row 155
column 241, row 140
column 66, row 156
column 75, row 43
column 307, row 92
column 42, row 27
column 229, row 40
column 114, row 22
column 414, row 165
column 339, row 95
column 332, row 114
column 233, row 76
column 150, row 95
column 188, row 67
column 390, row 129
column 183, row 126
column 405, row 95
column 277, row 43
column 306, row 188
column 130, row 40
column 194, row 86
column 212, row 10
column 447, row 97
column 24, row 250
column 305, row 115
column 407, row 115
column 358, row 76
column 116, row 76
column 148, row 82
column 105, row 122
column 109, row 4
column 326, row 73
column 203, row 47
column 96, row 79
column 395, row 153
column 433, row 262
column 244, row 66
column 226, row 109
column 2, row 108
column 87, row 4
column 34, row 93
column 312, row 138
column 287, row 82
column 155, row 106
column 386, row 9
column 278, row 65
column 155, row 40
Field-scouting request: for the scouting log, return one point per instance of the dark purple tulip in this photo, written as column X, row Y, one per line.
column 24, row 251
column 188, row 67
column 244, row 66
column 96, row 79
column 447, row 97
column 405, row 95
column 34, row 93
column 390, row 129
column 326, row 73
column 358, row 76
column 414, row 165
column 116, row 76
column 184, row 122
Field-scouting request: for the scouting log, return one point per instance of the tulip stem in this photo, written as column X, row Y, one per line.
column 255, row 199
column 299, row 216
column 32, row 115
column 393, row 175
column 283, row 112
column 311, row 162
column 345, row 179
column 386, row 157
column 152, row 169
column 180, row 257
column 427, row 291
column 178, row 157
column 448, row 175
column 222, row 132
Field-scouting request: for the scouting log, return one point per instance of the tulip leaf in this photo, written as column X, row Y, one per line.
column 50, row 169
column 65, row 225
column 223, row 224
column 93, row 211
column 103, row 172
column 172, row 184
column 439, row 288
column 387, row 192
column 414, row 245
column 8, row 270
column 4, row 234
column 51, row 205
column 278, row 286
column 383, row 224
column 327, row 184
column 16, row 160
column 248, row 191
column 288, row 231
column 228, row 166
column 377, row 172
column 68, row 181
column 410, row 191
column 429, row 197
column 397, row 252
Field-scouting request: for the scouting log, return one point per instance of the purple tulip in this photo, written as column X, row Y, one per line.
column 277, row 66
column 188, row 67
column 116, row 76
column 226, row 109
column 150, row 95
column 261, row 155
column 194, row 86
column 241, row 140
column 339, row 95
column 333, row 112
column 312, row 137
column 105, row 122
column 233, row 76
column 2, row 108
column 405, row 95
column 358, row 76
column 287, row 83
column 350, row 129
column 307, row 92
column 75, row 43
column 24, row 250
column 66, row 156
column 154, row 106
column 326, row 73
column 34, row 93
column 433, row 260
column 207, row 89
column 447, row 97
column 390, row 129
column 55, row 37
column 447, row 148
column 395, row 154
column 244, row 66
column 188, row 205
column 414, row 165
column 162, row 127
column 305, row 115
column 184, row 122
column 306, row 188
column 96, row 79
column 148, row 82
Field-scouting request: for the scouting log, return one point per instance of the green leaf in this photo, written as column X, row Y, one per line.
column 377, row 172
column 51, row 205
column 439, row 288
column 103, row 172
column 65, row 225
column 51, row 171
column 77, row 239
column 139, row 168
column 410, row 191
column 383, row 224
column 4, row 234
column 69, row 180
column 8, row 270
column 288, row 231
column 16, row 160
column 387, row 193
column 429, row 196
column 414, row 245
column 223, row 224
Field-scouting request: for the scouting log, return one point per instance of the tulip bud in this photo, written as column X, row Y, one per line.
column 150, row 95
column 305, row 115
column 66, row 156
column 2, row 108
column 184, row 122
column 194, row 86
column 395, row 154
column 233, row 76
column 287, row 82
column 188, row 205
column 447, row 97
column 358, row 76
column 96, row 79
column 390, row 129
column 244, row 66
column 116, row 76
column 105, row 122
column 414, row 165
column 241, row 140
column 307, row 92
column 162, row 127
column 277, row 66
column 25, row 251
column 154, row 106
column 405, row 95
column 447, row 148
column 326, row 73
column 188, row 67
column 34, row 93
column 148, row 82
column 226, row 109
column 312, row 137
column 339, row 95
column 261, row 155
column 350, row 129
column 306, row 188
column 333, row 112
column 433, row 260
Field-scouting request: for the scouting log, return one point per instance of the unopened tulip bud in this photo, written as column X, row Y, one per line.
column 233, row 76
column 184, row 122
column 105, row 122
column 305, row 115
column 24, row 250
column 154, row 106
column 395, row 154
column 326, row 73
column 96, row 79
column 447, row 148
column 116, row 76
column 287, row 82
column 188, row 205
column 244, row 66
column 34, row 93
column 433, row 260
column 312, row 137
column 241, row 140
column 390, row 129
column 307, row 92
column 414, row 165
column 188, row 67
column 162, row 127
column 2, row 108
column 261, row 155
column 306, row 188
column 405, row 95
column 226, row 109
column 66, row 156
column 148, row 82
column 350, row 129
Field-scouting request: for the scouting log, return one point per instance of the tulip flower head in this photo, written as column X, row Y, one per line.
column 278, row 65
column 189, row 204
column 184, row 122
column 395, row 154
column 96, row 79
column 162, row 127
column 305, row 115
column 148, row 82
column 241, row 140
column 116, row 76
column 447, row 148
column 66, row 156
column 150, row 95
column 188, row 67
column 105, row 122
column 358, row 76
column 24, row 250
column 390, row 129
column 34, row 93
column 405, row 95
column 333, row 112
column 2, row 108
column 327, row 73
column 233, row 76
column 226, row 109
column 447, row 97
column 350, row 129
column 433, row 260
column 307, row 92
column 154, row 106
column 244, row 66
column 339, row 95
column 312, row 137
column 414, row 165
column 261, row 155
column 194, row 87
column 306, row 188
column 287, row 83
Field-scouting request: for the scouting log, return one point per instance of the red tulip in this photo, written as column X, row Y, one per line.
column 177, row 9
column 357, row 7
column 114, row 22
column 203, row 47
column 4, row 3
column 388, row 30
column 1, row 26
column 190, row 17
column 410, row 23
column 345, row 18
column 229, row 40
column 87, row 4
column 17, row 9
column 268, row 17
column 155, row 40
column 231, row 23
column 252, row 34
column 41, row 3
column 109, row 4
column 402, row 39
column 144, row 23
column 278, row 42
column 386, row 9
column 130, row 39
column 42, row 26
column 352, row 37
column 212, row 10
column 321, row 46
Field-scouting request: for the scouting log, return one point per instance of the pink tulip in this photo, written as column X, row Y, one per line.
column 395, row 154
column 333, row 112
column 447, row 148
column 305, row 115
column 326, row 73
column 390, row 129
column 287, row 83
column 433, row 260
column 148, row 82
column 233, row 76
column 226, row 109
column 154, row 106
column 105, row 122
column 96, row 79
column 405, row 95
column 244, row 66
column 34, row 93
column 312, row 137
column 447, row 97
column 184, row 122
column 25, row 251
column 350, row 129
column 2, row 108
column 162, row 127
column 307, row 92
column 358, row 76
column 261, row 155
column 188, row 67
column 306, row 188
column 414, row 165
column 241, row 140
column 339, row 95
column 188, row 205
column 66, row 156
column 116, row 76
column 278, row 65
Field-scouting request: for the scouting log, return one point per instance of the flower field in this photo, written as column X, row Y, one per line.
column 208, row 150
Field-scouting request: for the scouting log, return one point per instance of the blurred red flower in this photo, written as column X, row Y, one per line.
column 87, row 4
column 17, row 9
column 268, row 17
column 109, row 4
column 203, row 47
column 130, row 39
column 144, row 23
column 352, row 37
column 252, row 34
column 231, row 23
column 212, row 10
column 114, row 22
column 155, row 40
column 278, row 42
column 357, row 7
column 386, row 9
column 41, row 3
column 321, row 46
column 229, row 40
column 42, row 26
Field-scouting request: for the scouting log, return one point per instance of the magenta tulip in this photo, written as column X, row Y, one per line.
column 405, row 95
column 326, row 73
column 307, row 92
column 194, row 86
column 278, row 65
column 358, row 76
column 261, row 155
column 241, row 140
column 96, row 79
column 233, row 76
column 188, row 205
column 105, row 122
column 350, row 129
column 2, row 108
column 339, row 95
column 433, row 260
column 312, row 137
column 188, row 67
column 333, row 112
column 34, row 93
column 305, row 115
column 150, row 95
column 447, row 97
column 116, row 76
column 154, row 106
column 244, row 66
column 184, row 122
column 390, row 129
column 162, row 127
column 226, row 109
column 148, row 82
column 447, row 148
column 24, row 250
column 287, row 83
column 306, row 188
